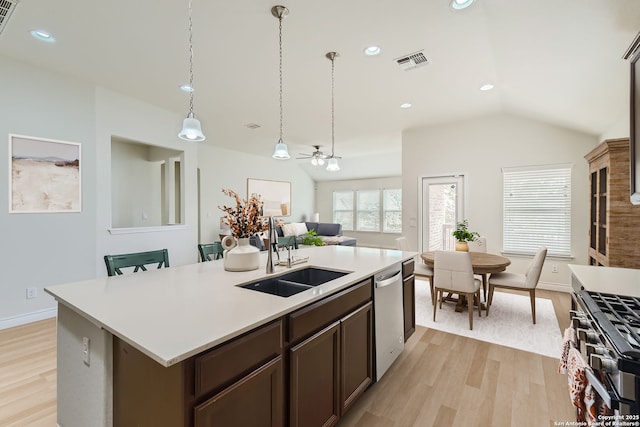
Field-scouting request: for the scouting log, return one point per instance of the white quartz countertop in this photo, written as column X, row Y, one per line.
column 611, row 280
column 174, row 313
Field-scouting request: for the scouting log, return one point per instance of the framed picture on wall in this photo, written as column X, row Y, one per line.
column 276, row 195
column 44, row 175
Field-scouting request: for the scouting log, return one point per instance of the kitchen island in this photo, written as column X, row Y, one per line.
column 176, row 316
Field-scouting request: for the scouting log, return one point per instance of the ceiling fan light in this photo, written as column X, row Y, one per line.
column 461, row 4
column 191, row 130
column 320, row 161
column 281, row 152
column 314, row 161
column 333, row 165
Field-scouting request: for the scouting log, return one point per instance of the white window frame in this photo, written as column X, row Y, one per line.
column 385, row 211
column 537, row 210
column 363, row 211
column 353, row 202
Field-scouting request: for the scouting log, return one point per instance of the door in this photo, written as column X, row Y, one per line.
column 441, row 207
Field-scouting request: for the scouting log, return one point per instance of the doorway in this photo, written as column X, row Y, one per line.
column 441, row 207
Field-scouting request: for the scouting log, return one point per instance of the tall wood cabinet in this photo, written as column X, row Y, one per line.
column 614, row 221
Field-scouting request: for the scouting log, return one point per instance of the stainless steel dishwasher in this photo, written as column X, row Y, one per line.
column 389, row 318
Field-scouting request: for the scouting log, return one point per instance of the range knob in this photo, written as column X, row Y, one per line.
column 587, row 335
column 595, row 348
column 603, row 363
column 579, row 322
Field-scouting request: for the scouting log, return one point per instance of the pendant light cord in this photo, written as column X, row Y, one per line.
column 332, row 106
column 280, row 69
column 190, row 60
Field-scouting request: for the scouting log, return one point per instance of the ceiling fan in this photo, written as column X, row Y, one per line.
column 317, row 157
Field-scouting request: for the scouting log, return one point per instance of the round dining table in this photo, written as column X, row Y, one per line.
column 482, row 263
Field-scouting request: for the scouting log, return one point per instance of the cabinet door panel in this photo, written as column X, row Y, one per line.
column 256, row 400
column 409, row 305
column 356, row 336
column 314, row 377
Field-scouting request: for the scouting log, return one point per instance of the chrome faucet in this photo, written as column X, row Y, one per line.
column 272, row 240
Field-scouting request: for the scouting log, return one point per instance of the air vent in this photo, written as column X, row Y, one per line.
column 412, row 60
column 6, row 9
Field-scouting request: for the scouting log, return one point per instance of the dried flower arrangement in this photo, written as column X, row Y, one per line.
column 245, row 218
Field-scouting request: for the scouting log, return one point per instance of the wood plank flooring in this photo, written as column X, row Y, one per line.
column 449, row 380
column 439, row 380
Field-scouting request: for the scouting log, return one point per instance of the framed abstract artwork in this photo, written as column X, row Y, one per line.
column 44, row 175
column 276, row 195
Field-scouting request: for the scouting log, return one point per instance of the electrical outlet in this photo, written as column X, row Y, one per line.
column 86, row 346
column 554, row 268
column 32, row 292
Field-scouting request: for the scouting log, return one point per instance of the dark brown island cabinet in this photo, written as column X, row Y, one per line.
column 409, row 297
column 304, row 369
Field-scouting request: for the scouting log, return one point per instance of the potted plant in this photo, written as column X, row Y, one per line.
column 311, row 238
column 463, row 235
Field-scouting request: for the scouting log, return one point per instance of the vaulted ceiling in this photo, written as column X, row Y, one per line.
column 553, row 61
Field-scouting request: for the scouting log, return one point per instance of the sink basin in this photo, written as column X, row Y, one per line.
column 312, row 276
column 294, row 282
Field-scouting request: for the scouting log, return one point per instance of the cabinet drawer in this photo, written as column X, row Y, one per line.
column 229, row 362
column 316, row 316
column 408, row 267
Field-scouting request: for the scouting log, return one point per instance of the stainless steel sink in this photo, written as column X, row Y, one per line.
column 294, row 282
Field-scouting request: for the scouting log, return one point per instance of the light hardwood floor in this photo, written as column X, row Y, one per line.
column 439, row 380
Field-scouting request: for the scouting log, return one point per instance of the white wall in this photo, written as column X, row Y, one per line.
column 620, row 129
column 41, row 249
column 324, row 203
column 479, row 149
column 38, row 250
column 221, row 168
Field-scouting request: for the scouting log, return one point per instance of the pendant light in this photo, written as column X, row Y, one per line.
column 332, row 165
column 281, row 152
column 191, row 129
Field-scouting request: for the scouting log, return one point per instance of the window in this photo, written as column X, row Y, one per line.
column 368, row 210
column 392, row 210
column 537, row 209
column 343, row 209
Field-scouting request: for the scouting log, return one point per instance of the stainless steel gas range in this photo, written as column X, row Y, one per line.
column 606, row 317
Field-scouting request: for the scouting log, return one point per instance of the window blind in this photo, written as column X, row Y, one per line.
column 537, row 209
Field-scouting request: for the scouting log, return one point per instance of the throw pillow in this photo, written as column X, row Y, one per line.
column 289, row 230
column 301, row 228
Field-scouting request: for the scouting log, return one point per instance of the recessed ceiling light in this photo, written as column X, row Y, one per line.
column 461, row 4
column 488, row 86
column 405, row 105
column 372, row 50
column 186, row 88
column 43, row 36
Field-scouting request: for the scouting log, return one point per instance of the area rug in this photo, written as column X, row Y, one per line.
column 509, row 321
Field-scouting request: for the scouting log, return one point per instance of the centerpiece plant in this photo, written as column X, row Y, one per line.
column 463, row 235
column 245, row 218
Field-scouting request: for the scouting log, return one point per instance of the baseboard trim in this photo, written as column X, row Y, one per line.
column 23, row 319
column 558, row 287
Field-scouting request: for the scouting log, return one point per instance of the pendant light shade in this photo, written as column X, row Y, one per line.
column 281, row 152
column 333, row 165
column 191, row 129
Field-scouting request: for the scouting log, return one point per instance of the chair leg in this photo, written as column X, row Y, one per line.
column 480, row 304
column 435, row 303
column 430, row 286
column 491, row 289
column 470, row 303
column 532, row 295
column 484, row 286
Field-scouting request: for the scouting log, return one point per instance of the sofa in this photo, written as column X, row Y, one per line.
column 330, row 233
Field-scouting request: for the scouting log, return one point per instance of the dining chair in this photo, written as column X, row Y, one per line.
column 138, row 261
column 288, row 241
column 520, row 282
column 420, row 268
column 210, row 251
column 479, row 244
column 453, row 273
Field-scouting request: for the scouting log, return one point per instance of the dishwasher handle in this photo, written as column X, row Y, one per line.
column 390, row 281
